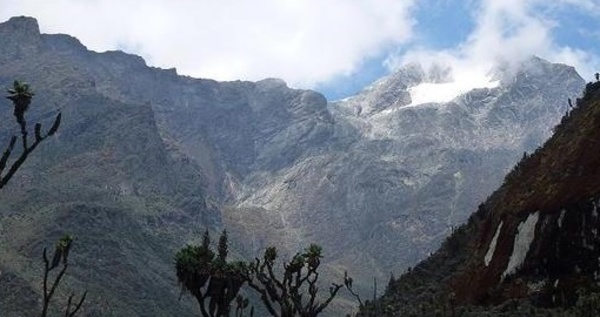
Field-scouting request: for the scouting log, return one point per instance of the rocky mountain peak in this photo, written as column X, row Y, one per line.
column 415, row 73
column 271, row 83
column 415, row 84
column 19, row 36
column 20, row 26
column 529, row 71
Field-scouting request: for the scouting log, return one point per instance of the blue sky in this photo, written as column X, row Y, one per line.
column 335, row 46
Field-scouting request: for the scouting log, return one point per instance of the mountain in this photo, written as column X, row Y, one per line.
column 142, row 164
column 146, row 159
column 395, row 179
column 531, row 248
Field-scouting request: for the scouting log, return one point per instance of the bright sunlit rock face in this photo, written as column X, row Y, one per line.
column 445, row 92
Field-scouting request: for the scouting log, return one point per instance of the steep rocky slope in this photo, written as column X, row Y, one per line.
column 142, row 162
column 532, row 247
column 146, row 159
column 394, row 181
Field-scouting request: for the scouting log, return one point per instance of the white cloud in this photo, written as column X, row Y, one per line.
column 302, row 41
column 506, row 31
column 586, row 63
column 306, row 42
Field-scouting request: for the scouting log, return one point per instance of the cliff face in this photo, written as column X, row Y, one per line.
column 142, row 163
column 146, row 159
column 534, row 241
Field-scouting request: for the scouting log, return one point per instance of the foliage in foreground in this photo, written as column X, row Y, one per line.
column 286, row 291
column 61, row 255
column 20, row 94
column 210, row 278
column 283, row 296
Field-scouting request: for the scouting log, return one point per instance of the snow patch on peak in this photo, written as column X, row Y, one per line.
column 522, row 243
column 446, row 92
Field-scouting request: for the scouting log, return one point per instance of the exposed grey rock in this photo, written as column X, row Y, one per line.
column 405, row 176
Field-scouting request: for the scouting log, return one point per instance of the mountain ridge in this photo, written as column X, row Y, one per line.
column 275, row 165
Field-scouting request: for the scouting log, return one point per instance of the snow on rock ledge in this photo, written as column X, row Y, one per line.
column 492, row 248
column 523, row 239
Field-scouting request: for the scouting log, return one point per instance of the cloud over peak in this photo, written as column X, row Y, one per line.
column 505, row 33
